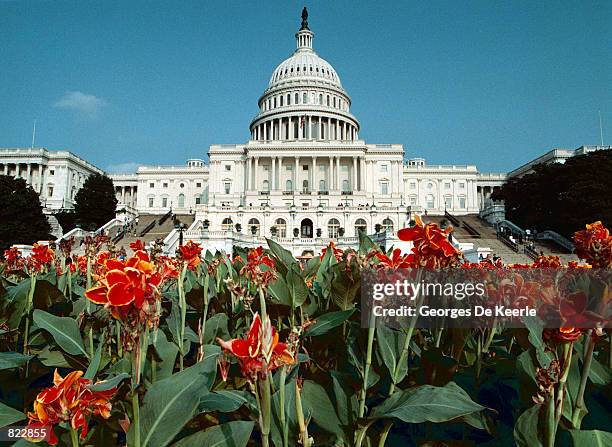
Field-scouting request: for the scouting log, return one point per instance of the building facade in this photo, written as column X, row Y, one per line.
column 55, row 175
column 304, row 169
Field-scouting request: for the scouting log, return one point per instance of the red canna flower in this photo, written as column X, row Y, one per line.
column 138, row 245
column 431, row 245
column 260, row 352
column 551, row 262
column 41, row 258
column 594, row 245
column 562, row 335
column 336, row 252
column 191, row 254
column 13, row 259
column 256, row 258
column 69, row 401
column 395, row 261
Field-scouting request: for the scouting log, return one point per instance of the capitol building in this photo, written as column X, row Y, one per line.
column 304, row 176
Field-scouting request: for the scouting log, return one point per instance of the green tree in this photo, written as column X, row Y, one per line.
column 562, row 197
column 95, row 202
column 21, row 217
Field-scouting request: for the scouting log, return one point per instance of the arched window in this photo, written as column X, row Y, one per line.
column 266, row 185
column 322, row 185
column 288, row 99
column 281, row 227
column 430, row 201
column 164, row 202
column 320, row 99
column 305, row 186
column 281, row 100
column 254, row 227
column 345, row 185
column 288, row 185
column 274, row 102
column 297, row 98
column 181, row 201
column 327, row 100
column 226, row 225
column 305, row 98
column 387, row 225
column 360, row 226
column 334, row 101
column 333, row 228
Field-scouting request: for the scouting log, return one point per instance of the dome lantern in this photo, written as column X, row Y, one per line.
column 304, row 36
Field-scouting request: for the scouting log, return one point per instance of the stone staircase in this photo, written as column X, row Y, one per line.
column 156, row 232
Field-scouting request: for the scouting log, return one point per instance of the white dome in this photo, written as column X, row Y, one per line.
column 304, row 65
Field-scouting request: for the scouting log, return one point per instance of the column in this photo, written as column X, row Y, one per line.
column 295, row 173
column 362, row 173
column 315, row 185
column 330, row 175
column 123, row 195
column 337, row 130
column 256, row 187
column 338, row 182
column 309, row 127
column 5, row 168
column 279, row 185
column 354, row 173
column 28, row 173
column 273, row 182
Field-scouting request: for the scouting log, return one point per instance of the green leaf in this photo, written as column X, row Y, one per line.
column 216, row 326
column 64, row 330
column 591, row 438
column 226, row 401
column 279, row 291
column 365, row 244
column 525, row 362
column 110, row 383
column 281, row 253
column 298, row 291
column 94, row 365
column 535, row 326
column 167, row 351
column 170, row 403
column 390, row 345
column 347, row 404
column 318, row 404
column 230, row 434
column 327, row 322
column 15, row 301
column 10, row 360
column 427, row 403
column 526, row 428
column 9, row 415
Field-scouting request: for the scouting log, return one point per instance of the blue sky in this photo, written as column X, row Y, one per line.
column 487, row 83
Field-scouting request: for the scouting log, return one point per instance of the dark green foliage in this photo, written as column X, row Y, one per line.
column 95, row 203
column 21, row 218
column 67, row 220
column 562, row 197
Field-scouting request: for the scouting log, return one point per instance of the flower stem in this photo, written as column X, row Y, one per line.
column 74, row 437
column 136, row 416
column 183, row 308
column 284, row 426
column 88, row 308
column 368, row 363
column 265, row 410
column 26, row 335
column 579, row 407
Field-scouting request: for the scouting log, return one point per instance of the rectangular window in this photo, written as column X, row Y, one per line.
column 413, row 200
column 164, row 202
column 462, row 185
column 305, row 167
column 384, row 188
column 447, row 185
column 197, row 200
column 50, row 191
column 165, row 185
column 228, row 167
column 461, row 202
column 384, row 168
column 198, row 185
column 52, row 172
column 448, row 202
column 151, row 185
column 150, row 202
column 227, row 188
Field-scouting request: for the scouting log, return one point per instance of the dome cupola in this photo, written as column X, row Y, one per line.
column 305, row 99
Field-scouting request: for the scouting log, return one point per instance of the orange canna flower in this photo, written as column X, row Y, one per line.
column 395, row 261
column 260, row 352
column 336, row 252
column 138, row 245
column 431, row 245
column 69, row 401
column 252, row 269
column 191, row 254
column 594, row 245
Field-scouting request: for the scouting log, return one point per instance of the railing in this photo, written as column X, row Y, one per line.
column 148, row 228
column 557, row 238
column 323, row 193
column 530, row 252
column 347, row 193
column 515, row 228
column 452, row 218
column 470, row 229
column 164, row 218
column 264, row 193
column 513, row 245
